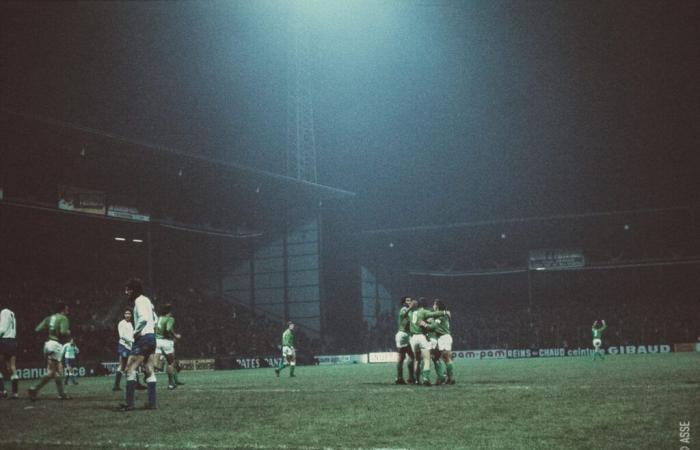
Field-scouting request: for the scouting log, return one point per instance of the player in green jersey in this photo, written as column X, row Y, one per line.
column 59, row 331
column 441, row 327
column 402, row 343
column 434, row 353
column 419, row 342
column 289, row 356
column 165, row 343
column 598, row 339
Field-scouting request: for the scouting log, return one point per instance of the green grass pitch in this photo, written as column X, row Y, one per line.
column 626, row 401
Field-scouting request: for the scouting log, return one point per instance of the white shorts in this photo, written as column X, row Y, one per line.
column 597, row 342
column 165, row 346
column 288, row 352
column 419, row 342
column 433, row 343
column 444, row 343
column 53, row 350
column 402, row 339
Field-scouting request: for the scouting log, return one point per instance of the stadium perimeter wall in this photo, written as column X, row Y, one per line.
column 232, row 363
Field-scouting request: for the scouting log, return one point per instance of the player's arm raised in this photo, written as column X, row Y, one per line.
column 434, row 314
column 43, row 324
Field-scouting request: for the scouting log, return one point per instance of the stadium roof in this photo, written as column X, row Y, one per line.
column 254, row 175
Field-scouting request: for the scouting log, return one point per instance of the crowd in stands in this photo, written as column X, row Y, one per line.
column 91, row 309
column 564, row 319
column 210, row 326
column 213, row 326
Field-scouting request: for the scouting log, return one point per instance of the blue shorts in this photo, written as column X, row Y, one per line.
column 68, row 362
column 8, row 347
column 122, row 351
column 144, row 346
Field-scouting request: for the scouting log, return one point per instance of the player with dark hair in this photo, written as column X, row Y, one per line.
column 58, row 328
column 8, row 352
column 144, row 346
column 165, row 342
column 403, row 347
column 598, row 339
column 126, row 340
column 419, row 341
column 441, row 327
column 289, row 356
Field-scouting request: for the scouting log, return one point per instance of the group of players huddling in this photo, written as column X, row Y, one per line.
column 424, row 336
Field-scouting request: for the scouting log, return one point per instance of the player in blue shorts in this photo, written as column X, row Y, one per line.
column 143, row 348
column 126, row 340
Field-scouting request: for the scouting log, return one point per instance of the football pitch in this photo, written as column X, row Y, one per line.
column 626, row 401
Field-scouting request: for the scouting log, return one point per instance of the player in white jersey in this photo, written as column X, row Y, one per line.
column 70, row 352
column 126, row 340
column 8, row 352
column 143, row 348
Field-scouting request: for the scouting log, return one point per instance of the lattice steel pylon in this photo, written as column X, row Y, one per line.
column 301, row 139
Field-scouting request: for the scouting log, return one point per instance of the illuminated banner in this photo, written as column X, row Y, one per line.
column 185, row 364
column 479, row 354
column 392, row 357
column 686, row 347
column 558, row 352
column 256, row 362
column 383, row 357
column 127, row 212
column 639, row 349
column 196, row 364
column 30, row 373
column 342, row 359
column 555, row 259
column 111, row 367
column 81, row 200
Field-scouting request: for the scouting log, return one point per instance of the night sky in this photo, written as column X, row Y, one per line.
column 432, row 111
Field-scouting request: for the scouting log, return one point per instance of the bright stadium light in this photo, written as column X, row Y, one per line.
column 137, row 240
column 119, row 239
